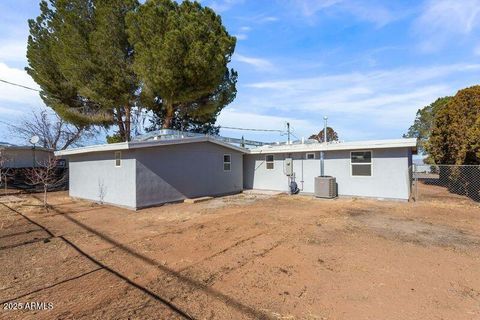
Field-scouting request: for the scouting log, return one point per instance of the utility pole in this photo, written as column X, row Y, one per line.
column 288, row 132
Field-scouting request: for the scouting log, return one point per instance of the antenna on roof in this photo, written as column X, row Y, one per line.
column 34, row 140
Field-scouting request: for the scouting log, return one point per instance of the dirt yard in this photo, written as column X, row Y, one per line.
column 246, row 256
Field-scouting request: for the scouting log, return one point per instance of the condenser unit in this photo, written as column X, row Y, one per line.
column 325, row 187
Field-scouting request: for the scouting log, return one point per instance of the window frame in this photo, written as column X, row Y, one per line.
column 270, row 162
column 227, row 162
column 309, row 153
column 119, row 159
column 362, row 164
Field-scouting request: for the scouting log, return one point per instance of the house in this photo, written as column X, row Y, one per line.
column 378, row 169
column 18, row 157
column 139, row 174
column 171, row 166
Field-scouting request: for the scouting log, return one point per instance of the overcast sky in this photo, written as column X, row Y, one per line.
column 368, row 65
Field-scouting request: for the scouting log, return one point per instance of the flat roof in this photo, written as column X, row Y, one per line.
column 272, row 148
column 146, row 144
column 15, row 147
column 355, row 145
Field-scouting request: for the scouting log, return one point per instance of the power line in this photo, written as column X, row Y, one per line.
column 19, row 85
column 232, row 128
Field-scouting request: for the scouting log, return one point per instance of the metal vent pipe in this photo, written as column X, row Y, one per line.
column 322, row 153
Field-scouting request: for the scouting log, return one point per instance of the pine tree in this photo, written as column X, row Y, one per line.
column 199, row 115
column 57, row 91
column 79, row 54
column 94, row 54
column 98, row 61
column 181, row 54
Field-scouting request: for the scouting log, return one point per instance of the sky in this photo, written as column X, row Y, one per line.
column 368, row 65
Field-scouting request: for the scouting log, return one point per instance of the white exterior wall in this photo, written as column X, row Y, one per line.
column 91, row 173
column 156, row 175
column 257, row 176
column 389, row 178
column 389, row 173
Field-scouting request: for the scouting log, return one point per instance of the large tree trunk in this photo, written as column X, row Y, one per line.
column 128, row 115
column 167, row 122
column 120, row 124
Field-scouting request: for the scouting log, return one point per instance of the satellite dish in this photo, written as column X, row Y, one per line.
column 34, row 139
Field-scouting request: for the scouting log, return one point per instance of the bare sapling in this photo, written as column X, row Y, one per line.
column 101, row 191
column 44, row 175
column 4, row 159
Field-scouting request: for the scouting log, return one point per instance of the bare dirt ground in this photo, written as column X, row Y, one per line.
column 242, row 257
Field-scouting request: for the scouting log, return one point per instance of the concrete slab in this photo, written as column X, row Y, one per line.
column 262, row 192
column 195, row 200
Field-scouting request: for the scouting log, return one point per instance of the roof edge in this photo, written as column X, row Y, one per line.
column 355, row 145
column 145, row 144
column 94, row 148
column 25, row 148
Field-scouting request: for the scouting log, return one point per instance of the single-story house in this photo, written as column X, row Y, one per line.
column 174, row 167
column 378, row 169
column 18, row 157
column 139, row 174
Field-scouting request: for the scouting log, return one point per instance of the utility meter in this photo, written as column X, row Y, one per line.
column 289, row 166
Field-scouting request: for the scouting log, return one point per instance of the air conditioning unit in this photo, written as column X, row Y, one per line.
column 325, row 187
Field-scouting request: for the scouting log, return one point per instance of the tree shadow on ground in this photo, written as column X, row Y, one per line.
column 192, row 283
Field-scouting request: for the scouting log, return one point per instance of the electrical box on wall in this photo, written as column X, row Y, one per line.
column 289, row 166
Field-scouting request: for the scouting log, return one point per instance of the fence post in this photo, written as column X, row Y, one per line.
column 416, row 181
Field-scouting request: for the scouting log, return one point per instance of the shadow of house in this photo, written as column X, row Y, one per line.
column 181, row 279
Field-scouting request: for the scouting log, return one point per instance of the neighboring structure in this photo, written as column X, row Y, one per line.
column 144, row 173
column 24, row 156
column 378, row 169
column 173, row 166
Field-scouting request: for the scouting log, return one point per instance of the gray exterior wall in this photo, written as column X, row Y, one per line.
column 177, row 172
column 24, row 158
column 389, row 173
column 90, row 174
column 156, row 175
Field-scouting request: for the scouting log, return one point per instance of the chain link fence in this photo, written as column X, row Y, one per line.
column 430, row 182
column 15, row 178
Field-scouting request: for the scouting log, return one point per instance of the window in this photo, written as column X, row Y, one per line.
column 118, row 158
column 227, row 162
column 310, row 156
column 269, row 161
column 361, row 163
